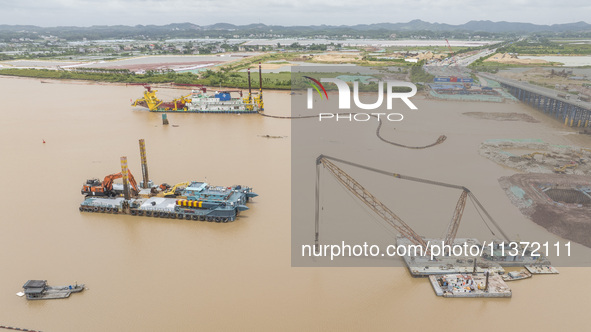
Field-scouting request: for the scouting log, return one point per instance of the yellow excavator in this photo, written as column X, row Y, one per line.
column 531, row 156
column 562, row 169
column 175, row 190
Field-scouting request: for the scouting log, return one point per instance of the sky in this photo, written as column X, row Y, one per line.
column 49, row 13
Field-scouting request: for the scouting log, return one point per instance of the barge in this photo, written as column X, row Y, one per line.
column 40, row 290
column 199, row 201
column 470, row 285
column 514, row 275
column 194, row 200
column 541, row 269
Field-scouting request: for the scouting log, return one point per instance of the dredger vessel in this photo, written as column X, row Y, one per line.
column 200, row 101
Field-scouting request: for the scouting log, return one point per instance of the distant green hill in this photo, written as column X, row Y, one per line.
column 227, row 30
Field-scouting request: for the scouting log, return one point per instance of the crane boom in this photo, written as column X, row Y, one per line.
column 396, row 175
column 449, row 46
column 372, row 202
column 454, row 225
column 385, row 213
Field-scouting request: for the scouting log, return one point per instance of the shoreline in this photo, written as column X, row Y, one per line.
column 93, row 82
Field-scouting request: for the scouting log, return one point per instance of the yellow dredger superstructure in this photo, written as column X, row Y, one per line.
column 153, row 103
column 198, row 101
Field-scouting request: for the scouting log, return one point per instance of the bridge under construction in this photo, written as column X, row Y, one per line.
column 573, row 113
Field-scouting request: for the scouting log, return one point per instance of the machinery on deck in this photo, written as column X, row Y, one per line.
column 531, row 156
column 176, row 190
column 94, row 187
column 562, row 169
column 189, row 200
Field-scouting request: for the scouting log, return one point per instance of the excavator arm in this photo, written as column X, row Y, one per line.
column 133, row 183
column 108, row 182
column 172, row 191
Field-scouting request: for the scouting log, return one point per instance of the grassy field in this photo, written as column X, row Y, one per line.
column 547, row 47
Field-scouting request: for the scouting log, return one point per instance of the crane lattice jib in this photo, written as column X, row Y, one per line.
column 398, row 224
column 373, row 203
column 396, row 175
column 454, row 225
column 449, row 46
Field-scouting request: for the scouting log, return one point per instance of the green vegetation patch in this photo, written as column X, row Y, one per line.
column 544, row 46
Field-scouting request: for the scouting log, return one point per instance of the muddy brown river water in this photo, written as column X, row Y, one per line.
column 148, row 274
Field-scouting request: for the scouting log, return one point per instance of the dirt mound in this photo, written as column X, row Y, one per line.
column 513, row 59
column 337, row 57
column 502, row 116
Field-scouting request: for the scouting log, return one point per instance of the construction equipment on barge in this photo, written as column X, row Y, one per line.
column 424, row 265
column 196, row 200
column 199, row 101
column 451, row 275
column 94, row 187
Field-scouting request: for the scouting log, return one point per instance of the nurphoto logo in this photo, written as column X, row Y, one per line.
column 345, row 99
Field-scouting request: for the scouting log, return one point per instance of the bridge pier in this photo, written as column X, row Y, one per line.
column 570, row 113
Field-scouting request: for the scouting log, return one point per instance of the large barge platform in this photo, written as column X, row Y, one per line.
column 230, row 202
column 195, row 200
column 424, row 266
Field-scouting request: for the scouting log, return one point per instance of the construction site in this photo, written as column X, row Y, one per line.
column 554, row 190
column 536, row 156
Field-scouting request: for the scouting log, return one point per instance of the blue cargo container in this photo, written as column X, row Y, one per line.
column 224, row 96
column 441, row 79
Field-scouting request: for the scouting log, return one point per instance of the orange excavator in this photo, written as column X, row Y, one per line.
column 94, row 187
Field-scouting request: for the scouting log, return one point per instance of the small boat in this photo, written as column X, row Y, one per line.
column 511, row 276
column 39, row 290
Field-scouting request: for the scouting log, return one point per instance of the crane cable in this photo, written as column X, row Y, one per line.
column 481, row 217
column 439, row 140
column 492, row 220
